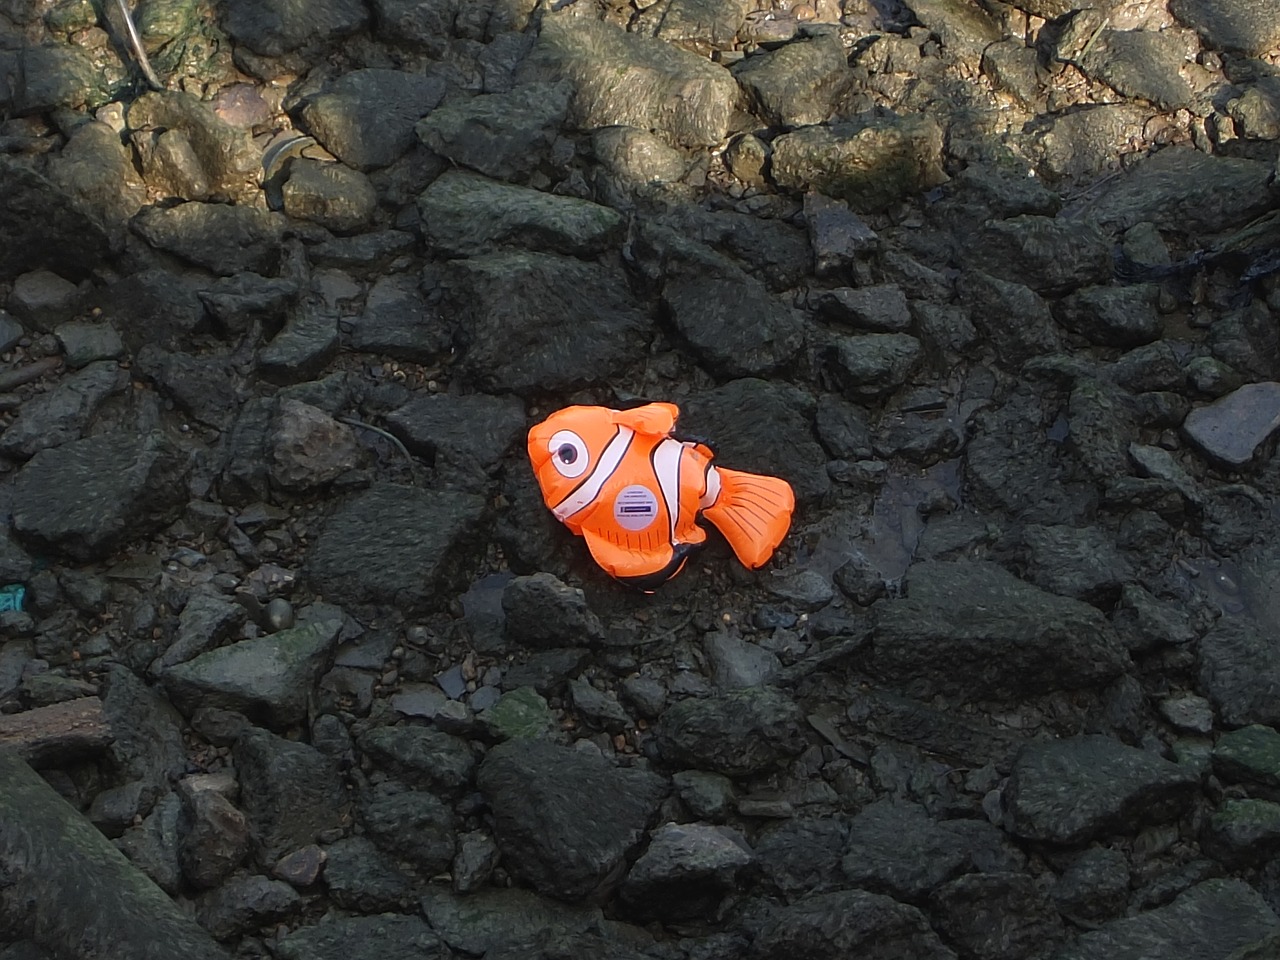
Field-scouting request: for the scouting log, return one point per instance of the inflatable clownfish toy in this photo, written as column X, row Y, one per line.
column 621, row 481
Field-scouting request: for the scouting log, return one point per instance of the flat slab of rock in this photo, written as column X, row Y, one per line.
column 1208, row 922
column 72, row 892
column 493, row 920
column 565, row 820
column 87, row 497
column 464, row 436
column 58, row 732
column 626, row 79
column 848, row 923
column 1244, row 26
column 387, row 936
column 1231, row 429
column 972, row 629
column 1071, row 791
column 269, row 678
column 275, row 27
column 534, row 322
column 737, row 734
column 464, row 214
column 392, row 544
column 222, row 238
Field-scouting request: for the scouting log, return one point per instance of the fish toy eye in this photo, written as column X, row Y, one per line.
column 568, row 454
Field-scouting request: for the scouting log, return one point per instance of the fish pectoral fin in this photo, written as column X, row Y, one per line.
column 753, row 512
column 652, row 420
column 624, row 562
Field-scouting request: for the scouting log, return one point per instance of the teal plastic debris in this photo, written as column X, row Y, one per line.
column 11, row 597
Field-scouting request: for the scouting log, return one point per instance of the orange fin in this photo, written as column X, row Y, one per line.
column 623, row 561
column 753, row 512
column 653, row 419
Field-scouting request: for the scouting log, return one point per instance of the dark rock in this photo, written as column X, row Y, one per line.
column 1230, row 430
column 837, row 235
column 397, row 321
column 949, row 734
column 803, row 855
column 1212, row 919
column 393, row 544
column 42, row 299
column 118, row 807
column 221, row 238
column 842, row 428
column 1239, row 671
column 204, row 386
column 879, row 308
column 761, row 427
column 1114, row 316
column 361, row 877
column 1188, row 712
column 1070, row 791
column 53, row 76
column 599, row 708
column 564, row 819
column 308, row 448
column 147, row 743
column 736, row 664
column 1140, row 63
column 1082, row 563
column 420, row 756
column 645, row 694
column 1049, row 254
column 306, row 345
column 686, row 871
column 900, row 850
column 330, row 194
column 410, row 825
column 276, row 27
column 237, row 301
column 1095, row 886
column 871, row 163
column 464, row 215
column 1243, row 26
column 541, row 612
column 63, row 413
column 386, row 936
column 1250, row 755
column 507, row 136
column 269, row 678
column 290, row 792
column 971, row 629
column 687, row 242
column 520, row 714
column 1242, row 833
column 997, row 916
column 216, row 836
column 377, row 251
column 43, row 228
column 366, row 118
column 738, row 734
column 475, row 861
column 301, row 868
column 501, row 922
column 1014, row 318
column 682, row 96
column 87, row 497
column 84, row 342
column 537, row 322
column 798, row 84
column 70, row 891
column 872, row 364
column 464, row 437
column 709, row 796
column 847, row 923
column 152, row 845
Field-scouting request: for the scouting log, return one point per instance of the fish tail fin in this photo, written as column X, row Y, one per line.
column 752, row 511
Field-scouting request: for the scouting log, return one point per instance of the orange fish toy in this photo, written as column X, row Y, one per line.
column 621, row 481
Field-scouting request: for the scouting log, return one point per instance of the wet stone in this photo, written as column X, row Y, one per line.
column 387, row 936
column 1246, row 26
column 879, row 308
column 216, row 836
column 1069, row 791
column 393, row 544
column 1231, row 429
column 42, row 299
column 1114, row 316
column 521, row 714
column 464, row 214
column 829, row 926
column 870, row 164
column 245, row 904
column 330, row 194
column 799, row 84
column 475, row 861
column 685, row 872
column 1188, row 712
column 409, row 825
column 464, row 437
column 301, row 868
column 1242, row 833
column 803, row 855
column 736, row 664
column 537, row 322
column 1211, row 919
column 1082, row 563
column 737, row 734
column 709, row 796
column 837, row 235
column 397, row 321
column 420, row 756
column 1249, row 755
column 492, row 921
column 898, row 849
column 290, row 792
column 997, row 916
column 1049, row 254
column 84, row 342
column 86, row 497
column 507, row 136
column 303, row 348
column 308, row 448
column 972, row 629
column 221, row 238
column 1239, row 673
column 1095, row 886
column 366, row 118
column 1014, row 318
column 361, row 877
column 63, row 413
column 542, row 612
column 599, row 708
column 275, row 27
column 546, row 801
column 270, row 678
column 871, row 365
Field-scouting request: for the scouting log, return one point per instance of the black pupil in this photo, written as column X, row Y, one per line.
column 567, row 453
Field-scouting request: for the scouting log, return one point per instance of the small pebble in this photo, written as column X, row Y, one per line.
column 279, row 614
